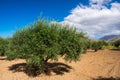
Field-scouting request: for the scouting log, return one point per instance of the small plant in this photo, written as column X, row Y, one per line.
column 108, row 47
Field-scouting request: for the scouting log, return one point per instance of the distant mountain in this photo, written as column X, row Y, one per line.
column 93, row 39
column 111, row 37
column 115, row 38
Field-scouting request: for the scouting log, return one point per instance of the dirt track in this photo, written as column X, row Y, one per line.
column 104, row 64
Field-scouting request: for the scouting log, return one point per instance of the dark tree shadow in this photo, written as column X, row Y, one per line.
column 110, row 78
column 21, row 67
column 57, row 68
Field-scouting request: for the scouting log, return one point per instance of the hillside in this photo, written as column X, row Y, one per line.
column 115, row 38
column 111, row 37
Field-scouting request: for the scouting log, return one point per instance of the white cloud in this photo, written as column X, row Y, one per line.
column 99, row 4
column 96, row 19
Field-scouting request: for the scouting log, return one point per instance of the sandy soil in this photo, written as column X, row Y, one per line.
column 93, row 65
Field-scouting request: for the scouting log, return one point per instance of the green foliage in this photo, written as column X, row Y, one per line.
column 108, row 47
column 96, row 45
column 3, row 46
column 46, row 41
column 116, row 43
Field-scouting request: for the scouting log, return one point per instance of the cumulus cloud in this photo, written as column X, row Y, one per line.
column 96, row 19
column 99, row 4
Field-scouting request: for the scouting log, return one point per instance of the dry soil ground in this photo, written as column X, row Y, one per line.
column 101, row 65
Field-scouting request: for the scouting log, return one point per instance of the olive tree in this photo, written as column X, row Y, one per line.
column 3, row 46
column 45, row 41
column 97, row 45
column 116, row 43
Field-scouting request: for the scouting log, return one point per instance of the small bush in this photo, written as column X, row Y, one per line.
column 108, row 47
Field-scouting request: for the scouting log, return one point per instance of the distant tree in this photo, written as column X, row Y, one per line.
column 3, row 46
column 97, row 45
column 116, row 43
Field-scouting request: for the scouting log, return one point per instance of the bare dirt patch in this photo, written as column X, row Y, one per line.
column 101, row 65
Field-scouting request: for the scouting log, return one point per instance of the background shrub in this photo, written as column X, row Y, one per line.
column 116, row 43
column 97, row 45
column 3, row 46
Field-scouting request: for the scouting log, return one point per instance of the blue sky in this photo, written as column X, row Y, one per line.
column 15, row 14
